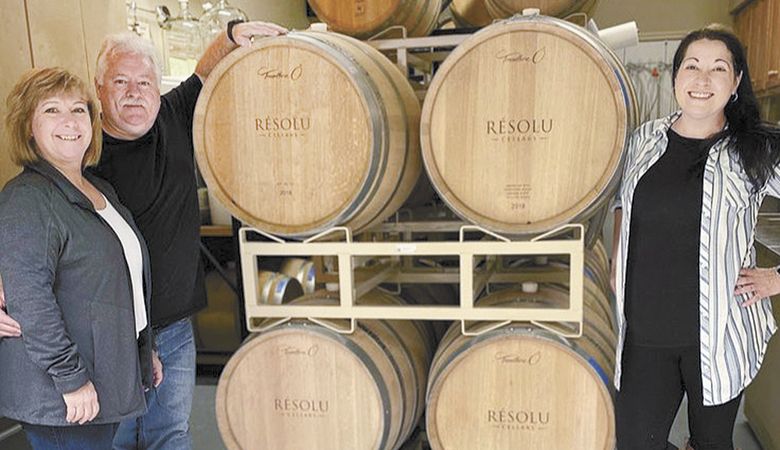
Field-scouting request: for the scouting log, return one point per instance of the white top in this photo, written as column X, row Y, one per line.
column 134, row 259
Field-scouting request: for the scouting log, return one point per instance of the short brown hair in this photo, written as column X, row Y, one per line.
column 34, row 86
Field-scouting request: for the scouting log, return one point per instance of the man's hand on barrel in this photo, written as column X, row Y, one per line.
column 243, row 33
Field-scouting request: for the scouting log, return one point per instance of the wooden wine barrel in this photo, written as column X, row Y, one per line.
column 596, row 301
column 364, row 18
column 596, row 273
column 512, row 140
column 522, row 386
column 275, row 288
column 303, row 386
column 479, row 13
column 432, row 294
column 302, row 270
column 301, row 133
column 501, row 9
column 598, row 314
column 597, row 266
column 594, row 226
column 470, row 13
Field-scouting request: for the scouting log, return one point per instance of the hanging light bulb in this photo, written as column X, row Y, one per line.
column 214, row 21
column 132, row 17
column 163, row 16
column 183, row 45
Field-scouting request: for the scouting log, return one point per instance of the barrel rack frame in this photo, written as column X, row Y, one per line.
column 416, row 54
column 395, row 267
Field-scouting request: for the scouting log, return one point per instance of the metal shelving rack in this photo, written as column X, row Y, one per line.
column 353, row 281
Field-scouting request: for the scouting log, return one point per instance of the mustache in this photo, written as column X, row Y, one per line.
column 132, row 102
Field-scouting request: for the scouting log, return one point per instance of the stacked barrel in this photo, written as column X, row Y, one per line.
column 303, row 385
column 301, row 133
column 478, row 13
column 524, row 126
column 522, row 130
column 523, row 386
column 364, row 18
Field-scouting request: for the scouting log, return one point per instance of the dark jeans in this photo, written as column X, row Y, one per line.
column 652, row 385
column 77, row 437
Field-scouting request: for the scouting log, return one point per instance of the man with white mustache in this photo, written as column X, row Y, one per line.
column 148, row 157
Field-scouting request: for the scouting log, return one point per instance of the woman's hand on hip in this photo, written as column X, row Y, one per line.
column 83, row 405
column 757, row 283
column 8, row 326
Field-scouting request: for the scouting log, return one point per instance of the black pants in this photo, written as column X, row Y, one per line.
column 652, row 385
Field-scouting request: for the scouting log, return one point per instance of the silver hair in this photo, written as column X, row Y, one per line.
column 127, row 42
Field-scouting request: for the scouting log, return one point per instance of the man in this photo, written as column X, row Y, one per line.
column 148, row 158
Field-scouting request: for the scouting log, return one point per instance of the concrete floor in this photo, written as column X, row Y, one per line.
column 203, row 425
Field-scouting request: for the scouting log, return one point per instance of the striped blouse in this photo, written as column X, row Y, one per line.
column 733, row 339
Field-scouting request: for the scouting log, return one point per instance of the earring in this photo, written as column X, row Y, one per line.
column 734, row 97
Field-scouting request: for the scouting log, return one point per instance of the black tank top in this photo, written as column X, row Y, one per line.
column 662, row 273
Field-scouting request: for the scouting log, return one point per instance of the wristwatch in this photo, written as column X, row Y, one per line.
column 230, row 26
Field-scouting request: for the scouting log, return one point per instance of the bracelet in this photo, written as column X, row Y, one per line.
column 230, row 26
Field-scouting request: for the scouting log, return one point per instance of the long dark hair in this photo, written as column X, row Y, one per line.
column 756, row 143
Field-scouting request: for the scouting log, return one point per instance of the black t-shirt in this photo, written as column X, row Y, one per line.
column 662, row 273
column 154, row 177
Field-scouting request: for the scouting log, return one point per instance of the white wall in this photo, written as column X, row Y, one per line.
column 663, row 19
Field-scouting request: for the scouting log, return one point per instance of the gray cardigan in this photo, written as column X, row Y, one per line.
column 67, row 284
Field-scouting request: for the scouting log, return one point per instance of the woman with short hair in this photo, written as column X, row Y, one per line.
column 75, row 276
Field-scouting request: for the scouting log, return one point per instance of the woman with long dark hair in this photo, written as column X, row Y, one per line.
column 693, row 310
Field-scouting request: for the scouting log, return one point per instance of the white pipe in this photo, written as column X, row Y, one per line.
column 620, row 36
